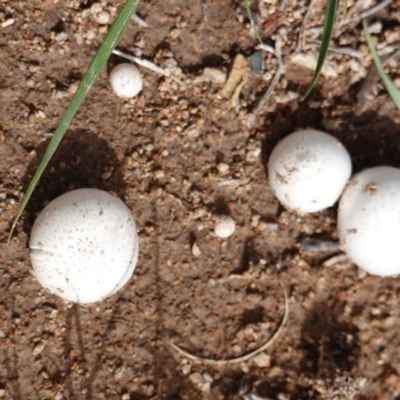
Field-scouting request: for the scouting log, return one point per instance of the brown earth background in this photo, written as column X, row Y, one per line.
column 179, row 155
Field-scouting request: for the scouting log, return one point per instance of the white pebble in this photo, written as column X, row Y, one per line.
column 262, row 360
column 196, row 250
column 224, row 226
column 102, row 18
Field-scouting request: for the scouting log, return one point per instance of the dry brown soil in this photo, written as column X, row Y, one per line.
column 179, row 155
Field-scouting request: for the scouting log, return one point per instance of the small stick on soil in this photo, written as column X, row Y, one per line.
column 364, row 14
column 369, row 81
column 368, row 13
column 275, row 80
column 141, row 22
column 143, row 63
column 248, row 356
column 347, row 51
column 147, row 64
column 335, row 260
column 301, row 40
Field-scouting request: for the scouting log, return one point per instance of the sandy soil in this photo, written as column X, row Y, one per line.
column 180, row 155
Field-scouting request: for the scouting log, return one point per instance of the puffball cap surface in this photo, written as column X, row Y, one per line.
column 308, row 170
column 224, row 226
column 125, row 80
column 369, row 220
column 84, row 245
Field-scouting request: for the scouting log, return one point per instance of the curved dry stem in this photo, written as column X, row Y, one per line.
column 248, row 356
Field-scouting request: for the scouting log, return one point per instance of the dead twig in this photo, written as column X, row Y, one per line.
column 330, row 262
column 369, row 82
column 301, row 40
column 143, row 63
column 365, row 14
column 275, row 79
column 146, row 64
column 248, row 356
column 141, row 22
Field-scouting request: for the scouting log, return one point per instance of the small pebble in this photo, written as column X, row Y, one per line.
column 224, row 226
column 214, row 75
column 262, row 360
column 38, row 349
column 7, row 22
column 312, row 245
column 255, row 61
column 223, row 168
column 186, row 369
column 102, row 18
column 96, row 8
column 196, row 250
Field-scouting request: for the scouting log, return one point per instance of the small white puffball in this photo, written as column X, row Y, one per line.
column 125, row 80
column 369, row 220
column 308, row 170
column 224, row 226
column 84, row 245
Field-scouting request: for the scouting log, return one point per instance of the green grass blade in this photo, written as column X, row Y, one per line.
column 252, row 22
column 93, row 71
column 329, row 24
column 390, row 87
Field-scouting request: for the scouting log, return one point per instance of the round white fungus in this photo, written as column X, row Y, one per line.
column 125, row 80
column 369, row 220
column 84, row 245
column 224, row 226
column 308, row 170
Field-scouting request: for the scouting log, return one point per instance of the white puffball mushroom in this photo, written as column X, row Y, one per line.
column 125, row 80
column 369, row 220
column 84, row 245
column 224, row 226
column 308, row 170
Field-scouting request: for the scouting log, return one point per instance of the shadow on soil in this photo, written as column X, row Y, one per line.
column 83, row 160
column 329, row 344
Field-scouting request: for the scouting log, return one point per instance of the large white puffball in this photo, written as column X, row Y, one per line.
column 125, row 80
column 84, row 245
column 369, row 220
column 308, row 170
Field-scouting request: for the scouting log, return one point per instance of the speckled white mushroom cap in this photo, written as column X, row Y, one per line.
column 84, row 245
column 369, row 220
column 125, row 80
column 308, row 170
column 224, row 226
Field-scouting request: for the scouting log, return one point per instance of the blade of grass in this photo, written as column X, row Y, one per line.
column 251, row 18
column 93, row 71
column 390, row 87
column 329, row 24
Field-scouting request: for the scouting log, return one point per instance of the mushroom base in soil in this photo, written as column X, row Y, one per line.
column 84, row 245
